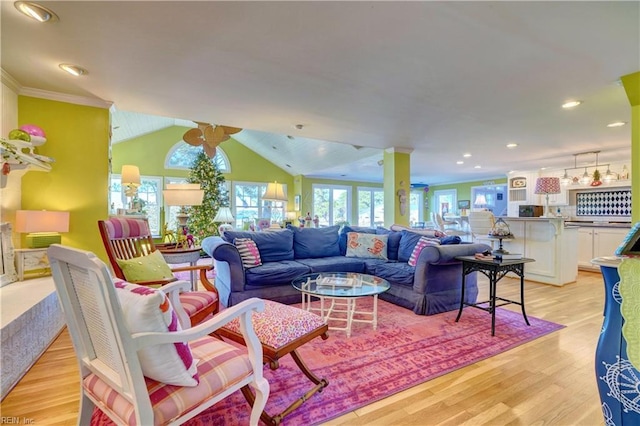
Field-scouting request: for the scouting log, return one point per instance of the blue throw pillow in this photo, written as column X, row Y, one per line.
column 451, row 239
column 315, row 242
column 393, row 242
column 273, row 245
column 408, row 241
column 342, row 241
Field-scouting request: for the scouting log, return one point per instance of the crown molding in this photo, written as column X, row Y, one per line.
column 63, row 97
column 393, row 150
column 19, row 89
column 9, row 81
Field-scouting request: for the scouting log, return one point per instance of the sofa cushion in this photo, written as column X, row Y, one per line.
column 421, row 244
column 275, row 273
column 249, row 252
column 371, row 264
column 273, row 246
column 315, row 242
column 395, row 273
column 334, row 264
column 366, row 245
column 393, row 242
column 408, row 241
column 342, row 240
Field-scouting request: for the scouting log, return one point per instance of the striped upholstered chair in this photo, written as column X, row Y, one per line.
column 126, row 238
column 136, row 363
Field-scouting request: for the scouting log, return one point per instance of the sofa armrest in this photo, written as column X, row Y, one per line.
column 441, row 255
column 228, row 266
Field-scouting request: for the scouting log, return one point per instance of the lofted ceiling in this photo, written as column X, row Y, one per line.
column 440, row 79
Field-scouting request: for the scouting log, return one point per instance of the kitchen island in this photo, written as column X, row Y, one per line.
column 550, row 242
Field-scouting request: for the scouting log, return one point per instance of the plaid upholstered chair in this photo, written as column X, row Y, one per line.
column 128, row 239
column 136, row 363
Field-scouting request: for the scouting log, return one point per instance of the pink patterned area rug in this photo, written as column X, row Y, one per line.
column 405, row 350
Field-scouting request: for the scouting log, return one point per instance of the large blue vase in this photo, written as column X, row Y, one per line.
column 618, row 380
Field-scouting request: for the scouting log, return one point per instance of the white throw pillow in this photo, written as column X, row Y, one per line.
column 148, row 309
column 366, row 245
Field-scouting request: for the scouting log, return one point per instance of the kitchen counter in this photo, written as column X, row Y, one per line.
column 550, row 243
column 592, row 224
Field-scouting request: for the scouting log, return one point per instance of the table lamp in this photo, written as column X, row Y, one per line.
column 130, row 179
column 224, row 216
column 480, row 200
column 42, row 226
column 546, row 186
column 275, row 193
column 183, row 195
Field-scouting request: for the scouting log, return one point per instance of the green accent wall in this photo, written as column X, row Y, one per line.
column 77, row 138
column 631, row 85
column 397, row 166
column 149, row 153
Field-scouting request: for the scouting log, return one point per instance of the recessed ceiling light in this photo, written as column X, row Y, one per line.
column 73, row 69
column 477, row 167
column 35, row 11
column 459, row 162
column 571, row 104
column 299, row 126
column 466, row 155
column 512, row 145
column 617, row 124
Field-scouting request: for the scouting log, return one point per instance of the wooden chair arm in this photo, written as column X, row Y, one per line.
column 208, row 285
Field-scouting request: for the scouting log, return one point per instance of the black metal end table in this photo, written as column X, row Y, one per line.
column 495, row 270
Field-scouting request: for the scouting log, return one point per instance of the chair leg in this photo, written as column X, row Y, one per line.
column 258, row 402
column 275, row 420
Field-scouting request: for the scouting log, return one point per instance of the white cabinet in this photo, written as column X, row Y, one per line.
column 596, row 242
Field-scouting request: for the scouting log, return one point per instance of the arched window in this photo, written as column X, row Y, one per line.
column 182, row 155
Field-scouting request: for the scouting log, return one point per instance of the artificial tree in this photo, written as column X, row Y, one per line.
column 206, row 173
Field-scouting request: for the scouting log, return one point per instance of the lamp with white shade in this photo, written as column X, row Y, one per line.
column 546, row 186
column 42, row 226
column 225, row 217
column 480, row 201
column 275, row 193
column 130, row 178
column 183, row 195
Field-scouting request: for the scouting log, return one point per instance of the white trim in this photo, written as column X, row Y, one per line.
column 9, row 81
column 399, row 150
column 62, row 97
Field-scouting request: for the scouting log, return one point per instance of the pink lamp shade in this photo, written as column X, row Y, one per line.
column 547, row 185
column 28, row 221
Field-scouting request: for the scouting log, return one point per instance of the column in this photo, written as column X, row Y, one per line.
column 397, row 185
column 631, row 85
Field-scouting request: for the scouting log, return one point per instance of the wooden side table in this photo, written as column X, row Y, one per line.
column 495, row 270
column 189, row 255
column 29, row 260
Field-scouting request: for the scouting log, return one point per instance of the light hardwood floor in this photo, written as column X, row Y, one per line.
column 550, row 381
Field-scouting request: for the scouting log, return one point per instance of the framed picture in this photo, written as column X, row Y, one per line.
column 296, row 203
column 519, row 182
column 464, row 204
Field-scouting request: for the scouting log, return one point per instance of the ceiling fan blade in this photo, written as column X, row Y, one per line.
column 213, row 136
column 225, row 138
column 209, row 150
column 231, row 130
column 193, row 137
column 202, row 125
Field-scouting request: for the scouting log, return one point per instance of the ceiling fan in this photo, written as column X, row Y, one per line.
column 209, row 136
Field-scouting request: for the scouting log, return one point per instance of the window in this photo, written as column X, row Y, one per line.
column 249, row 207
column 370, row 207
column 182, row 155
column 416, row 212
column 149, row 194
column 446, row 201
column 332, row 204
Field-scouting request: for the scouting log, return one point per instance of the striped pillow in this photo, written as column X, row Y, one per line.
column 421, row 244
column 249, row 252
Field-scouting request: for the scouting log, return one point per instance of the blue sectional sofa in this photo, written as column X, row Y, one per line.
column 431, row 286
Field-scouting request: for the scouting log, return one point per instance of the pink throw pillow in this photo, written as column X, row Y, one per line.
column 420, row 245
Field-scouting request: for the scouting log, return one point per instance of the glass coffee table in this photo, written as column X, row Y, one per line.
column 342, row 289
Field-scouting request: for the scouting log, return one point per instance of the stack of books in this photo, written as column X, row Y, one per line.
column 508, row 256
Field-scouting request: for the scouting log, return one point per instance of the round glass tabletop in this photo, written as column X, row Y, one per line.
column 340, row 284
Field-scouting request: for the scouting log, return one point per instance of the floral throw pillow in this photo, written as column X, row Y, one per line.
column 420, row 245
column 249, row 252
column 148, row 309
column 366, row 245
